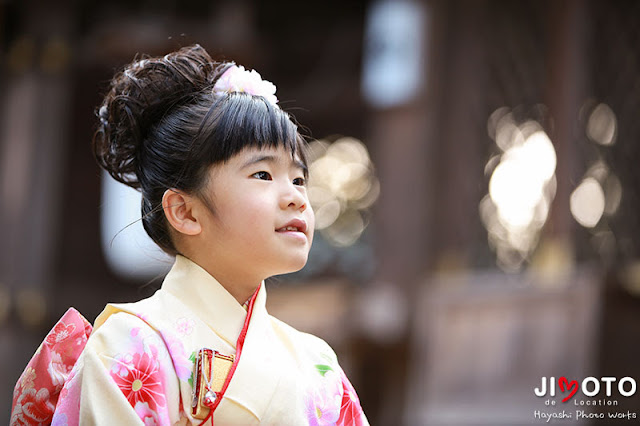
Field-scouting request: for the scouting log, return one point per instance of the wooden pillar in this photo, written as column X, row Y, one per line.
column 33, row 117
column 401, row 138
column 566, row 74
column 460, row 147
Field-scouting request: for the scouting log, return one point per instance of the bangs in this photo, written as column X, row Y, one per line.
column 247, row 121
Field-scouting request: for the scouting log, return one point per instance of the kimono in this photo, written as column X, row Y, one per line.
column 191, row 354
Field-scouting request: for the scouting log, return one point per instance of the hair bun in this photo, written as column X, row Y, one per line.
column 139, row 97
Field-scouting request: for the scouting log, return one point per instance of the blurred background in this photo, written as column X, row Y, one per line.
column 473, row 174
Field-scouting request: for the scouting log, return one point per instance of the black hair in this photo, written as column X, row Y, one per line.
column 162, row 127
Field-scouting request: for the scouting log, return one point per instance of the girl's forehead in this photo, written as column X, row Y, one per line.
column 243, row 160
column 279, row 154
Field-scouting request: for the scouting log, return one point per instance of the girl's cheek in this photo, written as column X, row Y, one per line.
column 311, row 222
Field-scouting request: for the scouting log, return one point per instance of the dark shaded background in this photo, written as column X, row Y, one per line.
column 440, row 330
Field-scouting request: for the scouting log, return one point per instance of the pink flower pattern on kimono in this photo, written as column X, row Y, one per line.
column 68, row 408
column 324, row 402
column 181, row 362
column 137, row 340
column 58, row 370
column 350, row 412
column 38, row 391
column 333, row 400
column 26, row 381
column 122, row 364
column 143, row 382
column 138, row 372
column 32, row 407
column 60, row 333
column 146, row 414
column 184, row 326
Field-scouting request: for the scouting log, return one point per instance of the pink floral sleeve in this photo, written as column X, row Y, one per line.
column 37, row 391
column 332, row 399
column 141, row 381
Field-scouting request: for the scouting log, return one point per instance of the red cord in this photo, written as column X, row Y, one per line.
column 239, row 345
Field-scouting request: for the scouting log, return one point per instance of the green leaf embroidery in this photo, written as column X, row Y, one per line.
column 192, row 358
column 322, row 368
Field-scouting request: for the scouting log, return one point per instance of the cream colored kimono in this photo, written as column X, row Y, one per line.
column 144, row 359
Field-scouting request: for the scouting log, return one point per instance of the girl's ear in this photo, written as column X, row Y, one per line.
column 178, row 209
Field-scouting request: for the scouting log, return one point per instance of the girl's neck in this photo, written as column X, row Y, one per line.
column 238, row 284
column 240, row 290
column 238, row 278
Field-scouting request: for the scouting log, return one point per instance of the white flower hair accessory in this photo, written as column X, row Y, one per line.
column 237, row 79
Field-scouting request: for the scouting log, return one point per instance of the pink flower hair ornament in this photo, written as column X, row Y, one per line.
column 237, row 79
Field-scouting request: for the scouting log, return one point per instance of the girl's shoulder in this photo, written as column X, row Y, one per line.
column 151, row 312
column 311, row 344
column 119, row 334
column 159, row 326
column 129, row 328
column 133, row 336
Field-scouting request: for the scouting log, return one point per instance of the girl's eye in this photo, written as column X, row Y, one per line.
column 299, row 181
column 262, row 175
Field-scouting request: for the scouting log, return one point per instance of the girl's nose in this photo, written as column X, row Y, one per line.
column 292, row 197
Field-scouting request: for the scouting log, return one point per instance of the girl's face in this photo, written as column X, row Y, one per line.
column 261, row 224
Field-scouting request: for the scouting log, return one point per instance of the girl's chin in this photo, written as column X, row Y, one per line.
column 294, row 266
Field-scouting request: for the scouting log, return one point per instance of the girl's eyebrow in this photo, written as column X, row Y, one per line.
column 273, row 159
column 259, row 159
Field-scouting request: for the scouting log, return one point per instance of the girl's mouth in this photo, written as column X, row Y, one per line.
column 296, row 225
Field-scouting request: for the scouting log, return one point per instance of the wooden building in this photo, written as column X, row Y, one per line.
column 456, row 320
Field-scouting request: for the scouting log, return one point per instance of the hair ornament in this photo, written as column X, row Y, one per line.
column 237, row 79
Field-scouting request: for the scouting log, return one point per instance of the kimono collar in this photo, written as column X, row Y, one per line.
column 208, row 299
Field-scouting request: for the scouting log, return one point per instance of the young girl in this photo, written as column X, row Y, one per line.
column 222, row 172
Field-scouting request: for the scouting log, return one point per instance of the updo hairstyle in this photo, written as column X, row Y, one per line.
column 162, row 127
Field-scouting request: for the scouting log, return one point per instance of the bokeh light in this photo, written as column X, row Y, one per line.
column 602, row 125
column 587, row 203
column 599, row 194
column 342, row 187
column 521, row 187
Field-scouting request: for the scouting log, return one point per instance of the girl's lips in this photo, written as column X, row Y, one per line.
column 296, row 225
